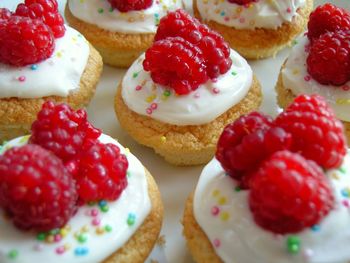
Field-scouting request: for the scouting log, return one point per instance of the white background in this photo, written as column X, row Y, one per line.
column 175, row 182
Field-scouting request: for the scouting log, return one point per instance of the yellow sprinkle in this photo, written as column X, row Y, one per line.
column 216, row 192
column 67, row 246
column 225, row 216
column 76, row 234
column 131, row 19
column 343, row 101
column 85, row 229
column 59, row 54
column 163, row 138
column 68, row 227
column 49, row 239
column 205, row 1
column 295, row 71
column 335, row 176
column 151, row 98
column 127, row 150
column 24, row 139
column 239, row 10
column 217, row 11
column 222, row 200
column 63, row 232
column 100, row 231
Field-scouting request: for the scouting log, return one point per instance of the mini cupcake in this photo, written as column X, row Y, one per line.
column 71, row 194
column 41, row 59
column 274, row 193
column 319, row 63
column 255, row 28
column 178, row 96
column 119, row 29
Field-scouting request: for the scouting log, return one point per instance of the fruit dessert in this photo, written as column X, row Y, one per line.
column 320, row 63
column 41, row 59
column 178, row 96
column 71, row 194
column 255, row 28
column 119, row 29
column 277, row 191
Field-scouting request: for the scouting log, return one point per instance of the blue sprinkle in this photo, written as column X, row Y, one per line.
column 156, row 15
column 34, row 67
column 102, row 203
column 345, row 192
column 81, row 251
column 222, row 13
column 316, row 228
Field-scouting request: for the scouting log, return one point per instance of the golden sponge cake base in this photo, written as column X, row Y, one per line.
column 140, row 245
column 17, row 115
column 183, row 145
column 117, row 49
column 260, row 42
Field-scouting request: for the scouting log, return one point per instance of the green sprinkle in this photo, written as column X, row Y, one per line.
column 13, row 254
column 54, row 231
column 128, row 174
column 82, row 238
column 293, row 244
column 41, row 236
column 167, row 93
column 104, row 208
column 111, row 9
column 100, row 10
column 237, row 189
column 108, row 228
column 233, row 73
column 294, row 42
column 135, row 75
column 131, row 220
column 342, row 170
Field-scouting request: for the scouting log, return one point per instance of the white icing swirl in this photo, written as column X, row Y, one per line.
column 225, row 217
column 201, row 106
column 259, row 14
column 296, row 78
column 134, row 201
column 100, row 13
column 57, row 75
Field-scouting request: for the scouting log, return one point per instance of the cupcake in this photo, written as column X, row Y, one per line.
column 41, row 59
column 178, row 96
column 319, row 63
column 120, row 30
column 71, row 194
column 272, row 194
column 255, row 28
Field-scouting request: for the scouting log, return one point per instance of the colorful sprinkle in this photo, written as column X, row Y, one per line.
column 225, row 216
column 163, row 139
column 346, row 203
column 342, row 170
column 81, row 251
column 345, row 192
column 149, row 111
column 222, row 200
column 154, row 106
column 22, row 78
column 233, row 73
column 135, row 75
column 131, row 219
column 94, row 212
column 167, row 93
column 237, row 189
column 346, row 87
column 60, row 250
column 96, row 221
column 307, row 78
column 293, row 244
column 105, row 209
column 216, row 243
column 13, row 254
column 216, row 192
column 215, row 210
column 100, row 10
column 100, row 231
column 316, row 228
column 108, row 228
column 34, row 67
column 41, row 236
column 216, row 91
column 82, row 238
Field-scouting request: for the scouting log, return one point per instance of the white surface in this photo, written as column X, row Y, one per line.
column 175, row 183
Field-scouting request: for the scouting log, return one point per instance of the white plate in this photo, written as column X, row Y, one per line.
column 175, row 183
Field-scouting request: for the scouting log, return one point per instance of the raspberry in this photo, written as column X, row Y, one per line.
column 215, row 50
column 177, row 63
column 241, row 2
column 289, row 193
column 5, row 13
column 329, row 59
column 24, row 41
column 62, row 130
column 47, row 11
column 317, row 134
column 327, row 18
column 35, row 188
column 102, row 173
column 130, row 5
column 238, row 137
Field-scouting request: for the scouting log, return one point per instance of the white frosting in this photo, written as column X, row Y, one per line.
column 259, row 14
column 100, row 13
column 201, row 106
column 134, row 200
column 57, row 75
column 296, row 78
column 236, row 237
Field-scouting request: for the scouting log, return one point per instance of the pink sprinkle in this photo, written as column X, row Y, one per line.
column 217, row 242
column 214, row 80
column 94, row 212
column 96, row 221
column 289, row 10
column 196, row 95
column 149, row 111
column 57, row 238
column 346, row 87
column 216, row 90
column 242, row 20
column 138, row 87
column 215, row 210
column 226, row 18
column 60, row 250
column 154, row 106
column 22, row 78
column 346, row 203
column 307, row 78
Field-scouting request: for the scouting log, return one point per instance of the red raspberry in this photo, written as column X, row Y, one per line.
column 241, row 2
column 130, row 5
column 329, row 59
column 215, row 50
column 47, row 11
column 102, row 173
column 327, row 18
column 62, row 130
column 289, row 193
column 35, row 188
column 5, row 13
column 24, row 41
column 239, row 137
column 177, row 63
column 317, row 134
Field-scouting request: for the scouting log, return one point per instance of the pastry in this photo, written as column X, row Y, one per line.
column 178, row 102
column 319, row 63
column 44, row 64
column 256, row 29
column 120, row 30
column 273, row 195
column 89, row 200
